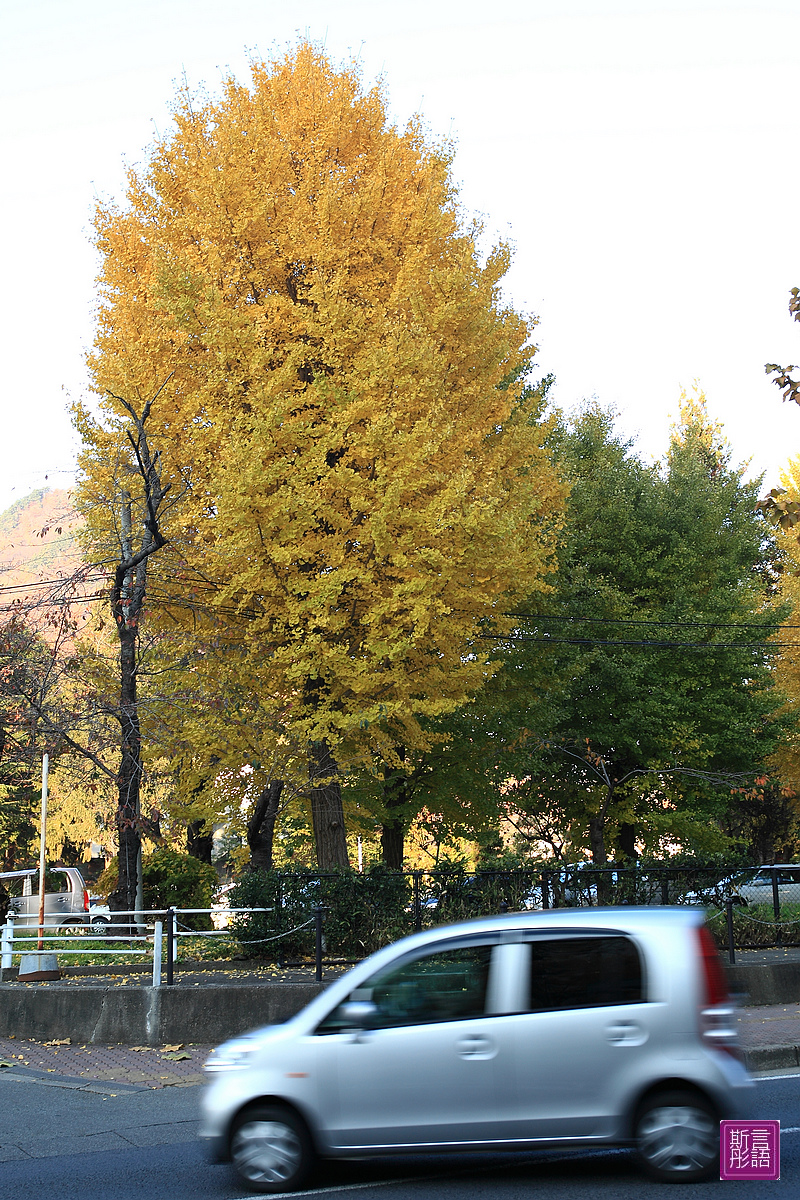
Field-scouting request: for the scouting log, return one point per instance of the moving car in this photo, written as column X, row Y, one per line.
column 538, row 1029
column 66, row 900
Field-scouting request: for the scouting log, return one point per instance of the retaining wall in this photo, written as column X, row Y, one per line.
column 147, row 1016
column 212, row 1012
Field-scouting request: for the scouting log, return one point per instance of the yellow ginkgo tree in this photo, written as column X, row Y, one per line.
column 368, row 488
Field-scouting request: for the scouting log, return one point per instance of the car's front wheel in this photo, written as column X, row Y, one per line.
column 677, row 1137
column 99, row 926
column 271, row 1149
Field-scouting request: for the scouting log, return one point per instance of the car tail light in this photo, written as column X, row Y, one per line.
column 717, row 1024
column 85, row 899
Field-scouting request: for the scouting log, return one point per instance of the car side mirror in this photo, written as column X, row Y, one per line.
column 358, row 1014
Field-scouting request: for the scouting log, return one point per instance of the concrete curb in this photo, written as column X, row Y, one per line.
column 771, row 1058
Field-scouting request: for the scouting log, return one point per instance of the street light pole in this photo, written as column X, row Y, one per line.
column 45, row 764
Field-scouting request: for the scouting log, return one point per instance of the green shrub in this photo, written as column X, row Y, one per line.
column 361, row 912
column 171, row 880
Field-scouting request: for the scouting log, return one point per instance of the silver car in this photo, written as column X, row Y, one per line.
column 66, row 901
column 551, row 1029
column 753, row 887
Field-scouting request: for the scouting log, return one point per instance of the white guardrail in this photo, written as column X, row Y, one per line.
column 25, row 938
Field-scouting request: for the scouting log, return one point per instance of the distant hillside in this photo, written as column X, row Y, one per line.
column 37, row 541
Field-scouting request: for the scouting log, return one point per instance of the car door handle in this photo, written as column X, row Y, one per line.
column 625, row 1032
column 474, row 1045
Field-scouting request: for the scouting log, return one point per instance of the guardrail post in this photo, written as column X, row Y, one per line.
column 7, row 943
column 158, row 934
column 417, row 906
column 318, row 941
column 729, row 921
column 170, row 945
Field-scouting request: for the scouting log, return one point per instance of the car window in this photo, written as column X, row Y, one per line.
column 444, row 985
column 27, row 883
column 584, row 972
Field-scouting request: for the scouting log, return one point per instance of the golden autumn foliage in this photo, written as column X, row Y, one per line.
column 787, row 665
column 362, row 488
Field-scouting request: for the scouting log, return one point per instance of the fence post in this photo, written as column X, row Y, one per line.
column 729, row 920
column 318, row 941
column 664, row 889
column 776, row 905
column 158, row 934
column 7, row 943
column 417, row 907
column 170, row 944
column 545, row 889
column 280, row 922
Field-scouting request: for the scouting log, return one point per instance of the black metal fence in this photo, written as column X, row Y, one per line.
column 748, row 907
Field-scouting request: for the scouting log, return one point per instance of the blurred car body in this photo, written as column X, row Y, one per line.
column 561, row 1028
column 65, row 907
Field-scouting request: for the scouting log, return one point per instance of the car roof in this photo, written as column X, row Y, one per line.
column 31, row 871
column 775, row 866
column 623, row 918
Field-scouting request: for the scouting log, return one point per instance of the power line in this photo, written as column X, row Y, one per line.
column 631, row 621
column 229, row 611
column 526, row 637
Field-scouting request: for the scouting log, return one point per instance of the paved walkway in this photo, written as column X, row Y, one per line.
column 133, row 1067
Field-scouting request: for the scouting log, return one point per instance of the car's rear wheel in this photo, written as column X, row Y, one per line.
column 271, row 1149
column 677, row 1137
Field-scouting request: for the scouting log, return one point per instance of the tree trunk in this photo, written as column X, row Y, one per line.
column 393, row 831
column 393, row 835
column 626, row 841
column 123, row 898
column 597, row 841
column 327, row 812
column 199, row 844
column 261, row 826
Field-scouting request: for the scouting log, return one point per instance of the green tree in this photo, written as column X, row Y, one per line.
column 640, row 691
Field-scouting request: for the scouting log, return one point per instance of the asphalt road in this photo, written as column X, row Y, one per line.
column 112, row 1143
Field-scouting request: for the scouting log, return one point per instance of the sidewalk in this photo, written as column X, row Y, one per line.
column 134, row 1068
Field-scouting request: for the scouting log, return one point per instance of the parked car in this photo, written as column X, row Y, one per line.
column 66, row 900
column 221, row 907
column 99, row 916
column 581, row 1027
column 753, row 887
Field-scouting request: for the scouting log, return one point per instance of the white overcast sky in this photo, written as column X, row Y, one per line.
column 642, row 157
